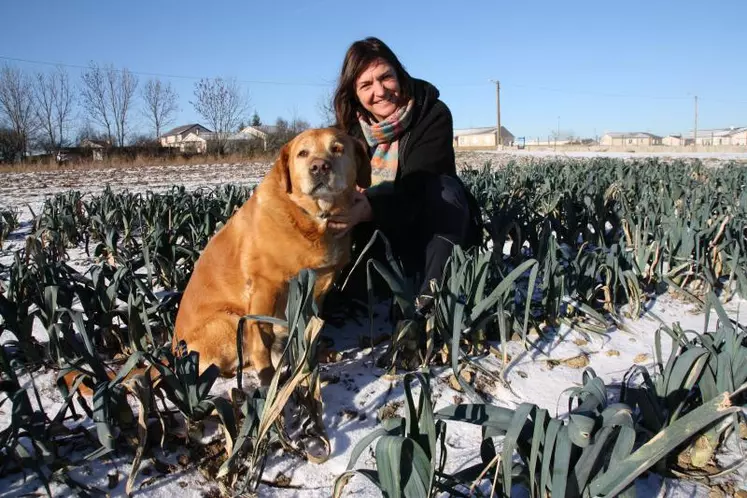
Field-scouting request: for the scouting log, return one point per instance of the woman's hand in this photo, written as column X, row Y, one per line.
column 360, row 211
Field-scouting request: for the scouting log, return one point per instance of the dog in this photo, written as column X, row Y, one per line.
column 280, row 230
column 246, row 266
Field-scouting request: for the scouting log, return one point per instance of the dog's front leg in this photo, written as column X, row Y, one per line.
column 324, row 280
column 258, row 342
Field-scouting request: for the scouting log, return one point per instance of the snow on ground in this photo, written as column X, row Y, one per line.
column 718, row 156
column 506, row 156
column 355, row 394
column 24, row 189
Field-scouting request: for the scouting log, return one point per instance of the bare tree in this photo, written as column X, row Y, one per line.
column 122, row 86
column 107, row 97
column 562, row 135
column 54, row 105
column 222, row 104
column 326, row 109
column 17, row 105
column 95, row 97
column 160, row 101
column 297, row 123
column 63, row 109
column 284, row 130
column 86, row 130
column 11, row 145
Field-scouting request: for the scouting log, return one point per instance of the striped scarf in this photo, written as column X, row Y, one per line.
column 384, row 138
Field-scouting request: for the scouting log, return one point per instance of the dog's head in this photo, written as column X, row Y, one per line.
column 322, row 163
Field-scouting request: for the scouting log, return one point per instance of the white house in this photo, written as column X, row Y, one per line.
column 260, row 132
column 482, row 137
column 632, row 138
column 176, row 137
column 739, row 137
column 673, row 140
column 192, row 142
column 98, row 148
column 719, row 136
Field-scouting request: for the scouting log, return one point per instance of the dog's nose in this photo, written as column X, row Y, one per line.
column 319, row 166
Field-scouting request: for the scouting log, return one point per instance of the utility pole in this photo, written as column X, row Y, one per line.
column 695, row 131
column 499, row 137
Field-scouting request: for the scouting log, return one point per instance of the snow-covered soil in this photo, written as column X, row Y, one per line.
column 466, row 158
column 24, row 189
column 356, row 394
column 549, row 152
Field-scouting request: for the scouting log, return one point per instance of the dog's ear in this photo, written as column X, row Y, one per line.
column 363, row 164
column 282, row 169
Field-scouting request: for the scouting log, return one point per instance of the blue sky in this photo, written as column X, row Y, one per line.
column 597, row 66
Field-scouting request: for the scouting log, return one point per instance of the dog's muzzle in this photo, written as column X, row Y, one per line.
column 319, row 167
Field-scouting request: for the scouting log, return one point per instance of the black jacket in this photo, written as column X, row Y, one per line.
column 426, row 150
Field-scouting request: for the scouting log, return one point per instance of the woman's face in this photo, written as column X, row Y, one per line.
column 378, row 90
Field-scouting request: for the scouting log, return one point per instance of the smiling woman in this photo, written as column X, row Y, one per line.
column 417, row 200
column 378, row 90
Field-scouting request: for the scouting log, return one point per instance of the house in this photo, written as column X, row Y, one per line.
column 198, row 142
column 627, row 139
column 719, row 136
column 482, row 137
column 673, row 140
column 259, row 132
column 739, row 137
column 193, row 142
column 98, row 148
column 176, row 136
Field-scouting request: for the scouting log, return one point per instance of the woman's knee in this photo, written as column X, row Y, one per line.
column 453, row 193
column 448, row 207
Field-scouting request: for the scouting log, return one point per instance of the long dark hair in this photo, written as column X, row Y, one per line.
column 358, row 57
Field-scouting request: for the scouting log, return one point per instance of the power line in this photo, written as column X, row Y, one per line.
column 163, row 75
column 620, row 95
column 443, row 85
column 587, row 92
column 600, row 94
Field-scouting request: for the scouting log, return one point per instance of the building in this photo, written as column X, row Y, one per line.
column 719, row 136
column 482, row 137
column 194, row 142
column 258, row 132
column 184, row 137
column 98, row 148
column 739, row 137
column 673, row 140
column 627, row 139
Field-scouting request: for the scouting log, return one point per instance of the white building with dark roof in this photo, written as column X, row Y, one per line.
column 482, row 137
column 623, row 139
column 185, row 137
column 718, row 136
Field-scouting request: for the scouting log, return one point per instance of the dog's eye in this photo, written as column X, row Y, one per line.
column 338, row 149
column 303, row 153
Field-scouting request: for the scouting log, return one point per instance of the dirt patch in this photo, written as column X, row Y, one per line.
column 641, row 358
column 390, row 410
column 578, row 361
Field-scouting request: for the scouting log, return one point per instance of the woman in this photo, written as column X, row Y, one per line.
column 416, row 199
